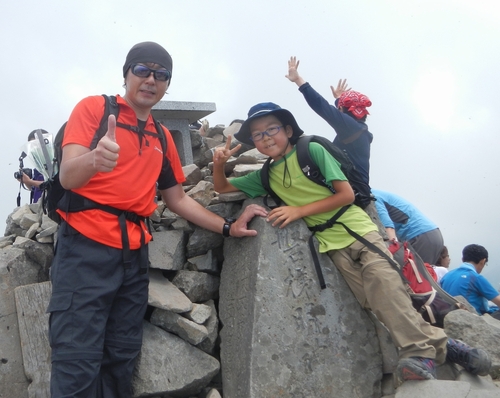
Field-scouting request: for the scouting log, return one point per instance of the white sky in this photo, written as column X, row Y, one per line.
column 429, row 67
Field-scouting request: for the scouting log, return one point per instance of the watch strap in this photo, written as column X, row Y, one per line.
column 226, row 229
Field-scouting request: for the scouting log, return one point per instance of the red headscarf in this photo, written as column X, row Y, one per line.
column 355, row 102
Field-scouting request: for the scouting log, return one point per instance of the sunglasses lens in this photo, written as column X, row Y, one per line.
column 141, row 71
column 162, row 75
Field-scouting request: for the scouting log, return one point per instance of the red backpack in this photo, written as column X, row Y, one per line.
column 406, row 259
column 427, row 297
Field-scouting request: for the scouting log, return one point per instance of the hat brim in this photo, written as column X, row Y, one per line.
column 283, row 115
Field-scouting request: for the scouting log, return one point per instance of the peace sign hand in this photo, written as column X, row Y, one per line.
column 222, row 154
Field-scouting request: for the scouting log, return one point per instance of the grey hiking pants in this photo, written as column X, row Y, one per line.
column 96, row 313
column 378, row 286
column 428, row 245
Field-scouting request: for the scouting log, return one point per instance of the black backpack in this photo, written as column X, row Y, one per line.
column 54, row 193
column 362, row 191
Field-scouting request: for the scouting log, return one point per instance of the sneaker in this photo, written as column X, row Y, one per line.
column 416, row 368
column 473, row 360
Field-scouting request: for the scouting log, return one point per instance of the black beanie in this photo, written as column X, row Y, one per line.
column 148, row 52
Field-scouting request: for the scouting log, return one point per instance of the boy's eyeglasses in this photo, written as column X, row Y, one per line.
column 269, row 132
column 143, row 71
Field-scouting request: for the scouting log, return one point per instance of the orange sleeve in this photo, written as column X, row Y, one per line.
column 84, row 121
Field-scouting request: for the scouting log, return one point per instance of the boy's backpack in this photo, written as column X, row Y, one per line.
column 362, row 191
column 56, row 197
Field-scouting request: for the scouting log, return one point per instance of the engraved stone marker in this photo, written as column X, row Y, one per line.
column 283, row 336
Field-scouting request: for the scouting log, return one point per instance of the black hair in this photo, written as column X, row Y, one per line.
column 474, row 253
column 442, row 256
column 284, row 121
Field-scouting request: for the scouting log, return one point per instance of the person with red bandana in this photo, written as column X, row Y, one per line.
column 100, row 280
column 348, row 120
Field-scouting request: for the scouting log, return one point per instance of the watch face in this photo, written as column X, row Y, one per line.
column 226, row 229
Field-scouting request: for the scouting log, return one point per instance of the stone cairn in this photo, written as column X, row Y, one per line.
column 239, row 318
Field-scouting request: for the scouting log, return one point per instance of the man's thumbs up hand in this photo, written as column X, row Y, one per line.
column 111, row 128
column 106, row 152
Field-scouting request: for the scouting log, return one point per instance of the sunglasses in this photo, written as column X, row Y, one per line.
column 161, row 75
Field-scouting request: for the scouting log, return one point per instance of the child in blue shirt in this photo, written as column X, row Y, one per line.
column 466, row 281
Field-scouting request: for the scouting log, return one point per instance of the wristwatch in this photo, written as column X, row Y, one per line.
column 227, row 226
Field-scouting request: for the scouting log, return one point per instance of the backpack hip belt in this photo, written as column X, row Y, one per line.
column 72, row 202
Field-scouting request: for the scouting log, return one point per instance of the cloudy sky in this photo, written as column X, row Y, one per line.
column 430, row 68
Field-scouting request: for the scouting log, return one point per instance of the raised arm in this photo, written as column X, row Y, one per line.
column 344, row 125
column 221, row 155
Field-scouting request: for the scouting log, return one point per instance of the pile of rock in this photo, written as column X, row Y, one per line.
column 280, row 334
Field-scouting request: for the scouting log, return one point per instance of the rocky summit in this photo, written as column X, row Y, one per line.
column 227, row 317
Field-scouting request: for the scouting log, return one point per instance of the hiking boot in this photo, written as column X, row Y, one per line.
column 473, row 360
column 416, row 368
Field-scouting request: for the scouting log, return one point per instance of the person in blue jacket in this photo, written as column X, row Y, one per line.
column 348, row 120
column 466, row 281
column 404, row 221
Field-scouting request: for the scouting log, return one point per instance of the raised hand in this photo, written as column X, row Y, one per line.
column 106, row 152
column 341, row 88
column 222, row 154
column 293, row 66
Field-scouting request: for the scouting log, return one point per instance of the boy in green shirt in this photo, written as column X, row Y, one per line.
column 374, row 282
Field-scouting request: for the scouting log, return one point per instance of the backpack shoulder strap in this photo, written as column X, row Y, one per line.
column 110, row 108
column 58, row 145
column 375, row 249
column 307, row 164
column 264, row 177
column 304, row 158
column 161, row 134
